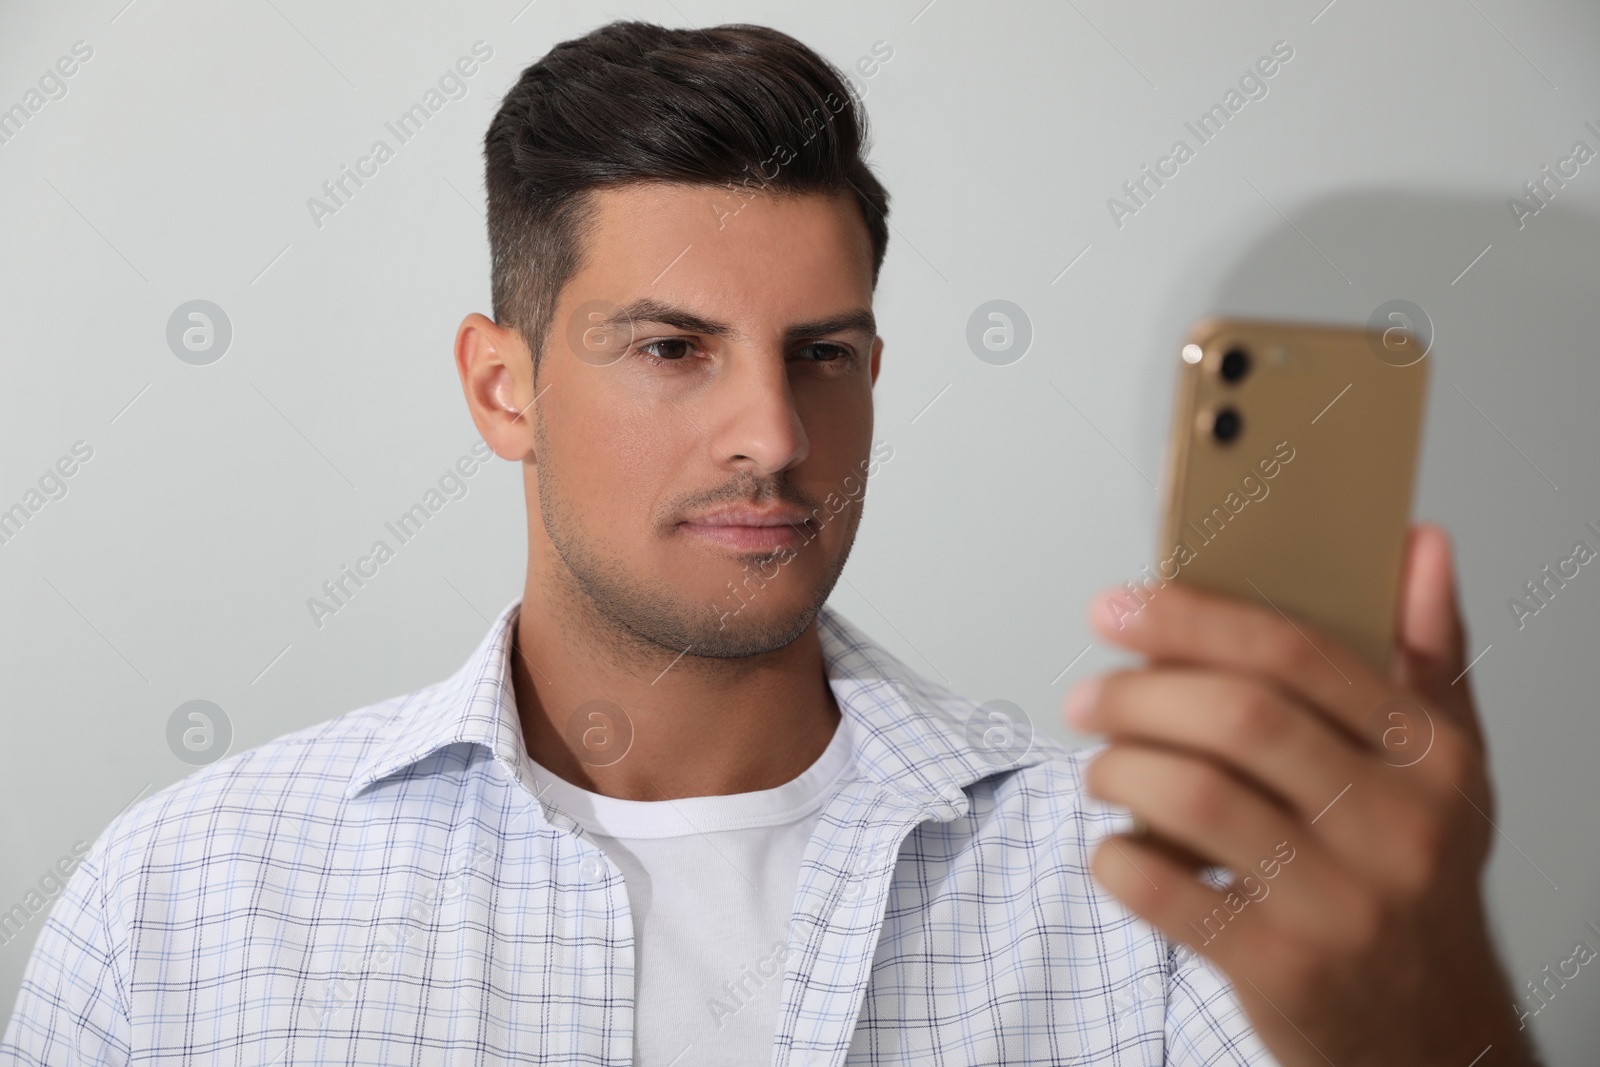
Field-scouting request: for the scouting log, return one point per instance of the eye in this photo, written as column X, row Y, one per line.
column 827, row 353
column 673, row 350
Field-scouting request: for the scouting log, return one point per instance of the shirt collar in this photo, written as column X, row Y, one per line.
column 917, row 740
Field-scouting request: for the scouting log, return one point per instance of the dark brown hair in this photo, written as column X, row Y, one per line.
column 745, row 107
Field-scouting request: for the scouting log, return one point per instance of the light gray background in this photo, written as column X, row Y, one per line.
column 220, row 497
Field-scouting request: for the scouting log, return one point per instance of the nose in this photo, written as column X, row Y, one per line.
column 756, row 426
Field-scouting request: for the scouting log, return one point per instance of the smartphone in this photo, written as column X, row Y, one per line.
column 1289, row 471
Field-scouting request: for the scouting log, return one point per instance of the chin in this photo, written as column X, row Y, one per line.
column 754, row 629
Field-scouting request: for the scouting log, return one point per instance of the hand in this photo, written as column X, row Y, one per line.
column 1351, row 809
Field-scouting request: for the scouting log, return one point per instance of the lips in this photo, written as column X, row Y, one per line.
column 748, row 529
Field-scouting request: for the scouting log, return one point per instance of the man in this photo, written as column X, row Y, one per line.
column 675, row 811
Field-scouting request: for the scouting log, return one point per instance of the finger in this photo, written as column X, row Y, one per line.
column 1206, row 810
column 1430, row 623
column 1157, row 888
column 1188, row 859
column 1431, row 643
column 1183, row 624
column 1169, row 896
column 1369, row 810
column 1254, row 731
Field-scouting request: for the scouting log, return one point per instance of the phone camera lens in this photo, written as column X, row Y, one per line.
column 1225, row 427
column 1235, row 365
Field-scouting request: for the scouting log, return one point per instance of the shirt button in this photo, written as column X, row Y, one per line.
column 592, row 868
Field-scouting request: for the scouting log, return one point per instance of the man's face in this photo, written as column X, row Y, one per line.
column 704, row 414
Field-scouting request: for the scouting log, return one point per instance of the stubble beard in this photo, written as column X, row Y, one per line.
column 599, row 593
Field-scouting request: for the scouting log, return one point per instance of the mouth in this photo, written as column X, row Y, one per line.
column 746, row 529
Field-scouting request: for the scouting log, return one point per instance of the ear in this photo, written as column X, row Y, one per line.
column 877, row 353
column 496, row 372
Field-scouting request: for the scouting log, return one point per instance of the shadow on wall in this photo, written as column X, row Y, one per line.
column 1505, row 303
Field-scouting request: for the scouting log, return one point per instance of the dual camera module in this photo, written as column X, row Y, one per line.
column 1226, row 422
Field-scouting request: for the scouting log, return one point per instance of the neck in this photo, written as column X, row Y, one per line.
column 617, row 715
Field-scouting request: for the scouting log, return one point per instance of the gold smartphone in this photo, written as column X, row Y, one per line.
column 1289, row 471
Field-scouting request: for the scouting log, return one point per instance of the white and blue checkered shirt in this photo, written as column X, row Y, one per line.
column 389, row 888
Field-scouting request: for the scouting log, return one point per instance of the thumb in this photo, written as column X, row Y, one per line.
column 1431, row 638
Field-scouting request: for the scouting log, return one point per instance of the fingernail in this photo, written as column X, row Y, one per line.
column 1081, row 701
column 1112, row 610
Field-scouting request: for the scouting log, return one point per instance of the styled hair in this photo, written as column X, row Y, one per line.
column 745, row 107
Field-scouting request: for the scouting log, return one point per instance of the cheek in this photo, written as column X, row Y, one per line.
column 836, row 410
column 840, row 434
column 617, row 463
column 632, row 451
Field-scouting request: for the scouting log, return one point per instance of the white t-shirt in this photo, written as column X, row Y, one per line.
column 711, row 883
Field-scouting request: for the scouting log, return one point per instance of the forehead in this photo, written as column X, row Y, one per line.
column 709, row 243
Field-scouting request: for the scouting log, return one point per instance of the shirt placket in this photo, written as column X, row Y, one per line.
column 593, row 997
column 838, row 917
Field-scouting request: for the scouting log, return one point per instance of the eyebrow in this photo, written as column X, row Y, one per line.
column 648, row 309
